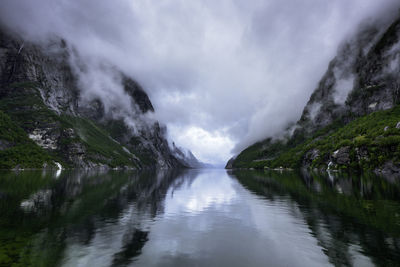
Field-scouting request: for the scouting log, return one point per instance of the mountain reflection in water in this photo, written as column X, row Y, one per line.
column 197, row 218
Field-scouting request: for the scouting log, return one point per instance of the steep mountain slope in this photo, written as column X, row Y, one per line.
column 41, row 95
column 363, row 78
column 188, row 159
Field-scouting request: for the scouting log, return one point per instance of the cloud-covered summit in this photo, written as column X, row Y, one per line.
column 221, row 74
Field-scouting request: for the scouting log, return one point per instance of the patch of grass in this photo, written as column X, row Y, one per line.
column 118, row 130
column 24, row 84
column 25, row 105
column 18, row 148
column 100, row 147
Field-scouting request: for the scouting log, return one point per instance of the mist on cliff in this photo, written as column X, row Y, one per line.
column 220, row 74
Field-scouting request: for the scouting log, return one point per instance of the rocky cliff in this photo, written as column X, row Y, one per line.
column 188, row 159
column 352, row 117
column 362, row 78
column 48, row 118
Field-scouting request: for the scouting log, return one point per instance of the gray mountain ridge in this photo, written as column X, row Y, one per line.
column 362, row 79
column 42, row 94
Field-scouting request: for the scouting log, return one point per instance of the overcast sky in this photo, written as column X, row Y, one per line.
column 221, row 74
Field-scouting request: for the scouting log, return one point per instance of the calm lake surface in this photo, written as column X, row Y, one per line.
column 198, row 218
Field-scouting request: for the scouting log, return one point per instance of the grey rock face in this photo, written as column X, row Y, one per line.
column 48, row 70
column 362, row 153
column 138, row 95
column 342, row 155
column 362, row 78
column 45, row 138
column 310, row 156
column 187, row 158
column 229, row 164
column 39, row 83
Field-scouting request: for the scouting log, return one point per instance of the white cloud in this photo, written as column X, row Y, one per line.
column 207, row 146
column 234, row 70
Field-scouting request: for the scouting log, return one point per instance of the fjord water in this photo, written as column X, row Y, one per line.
column 198, row 218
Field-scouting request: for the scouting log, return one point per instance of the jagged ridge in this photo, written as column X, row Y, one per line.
column 363, row 78
column 41, row 94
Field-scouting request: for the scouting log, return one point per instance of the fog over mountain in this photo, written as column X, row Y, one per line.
column 221, row 74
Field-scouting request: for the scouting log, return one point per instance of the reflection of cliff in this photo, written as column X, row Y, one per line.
column 78, row 208
column 330, row 205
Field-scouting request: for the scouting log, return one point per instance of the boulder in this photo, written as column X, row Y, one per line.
column 361, row 153
column 342, row 155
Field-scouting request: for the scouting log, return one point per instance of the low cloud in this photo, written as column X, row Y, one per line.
column 221, row 74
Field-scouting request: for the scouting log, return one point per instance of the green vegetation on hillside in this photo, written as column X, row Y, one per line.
column 117, row 130
column 23, row 111
column 100, row 147
column 17, row 149
column 25, row 106
column 365, row 133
